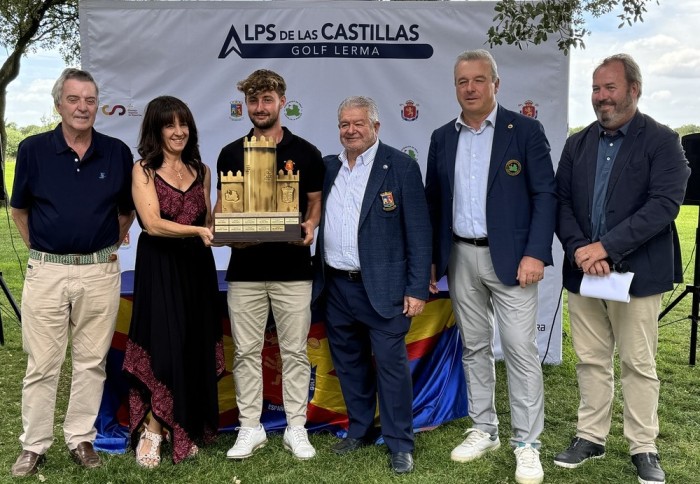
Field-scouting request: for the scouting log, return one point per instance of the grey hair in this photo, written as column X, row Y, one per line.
column 632, row 72
column 71, row 73
column 361, row 102
column 482, row 55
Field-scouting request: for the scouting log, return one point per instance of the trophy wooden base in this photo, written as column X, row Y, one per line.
column 257, row 227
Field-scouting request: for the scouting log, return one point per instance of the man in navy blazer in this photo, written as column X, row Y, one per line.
column 374, row 248
column 621, row 182
column 492, row 201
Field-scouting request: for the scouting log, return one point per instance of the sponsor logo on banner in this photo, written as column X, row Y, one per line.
column 292, row 110
column 117, row 109
column 328, row 39
column 236, row 110
column 529, row 108
column 120, row 110
column 410, row 151
column 409, row 111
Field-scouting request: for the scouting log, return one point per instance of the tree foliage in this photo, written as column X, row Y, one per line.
column 28, row 25
column 533, row 22
column 15, row 134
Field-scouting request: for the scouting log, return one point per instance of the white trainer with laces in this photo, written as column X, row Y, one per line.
column 248, row 441
column 296, row 440
column 528, row 468
column 474, row 446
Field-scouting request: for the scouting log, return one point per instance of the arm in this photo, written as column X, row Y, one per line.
column 21, row 218
column 570, row 234
column 417, row 238
column 541, row 187
column 312, row 218
column 432, row 195
column 667, row 179
column 146, row 200
column 209, row 222
column 125, row 221
column 542, row 191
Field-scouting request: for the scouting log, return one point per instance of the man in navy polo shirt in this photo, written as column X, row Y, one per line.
column 72, row 205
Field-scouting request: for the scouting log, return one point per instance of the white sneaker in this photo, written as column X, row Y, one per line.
column 474, row 446
column 528, row 469
column 248, row 441
column 296, row 440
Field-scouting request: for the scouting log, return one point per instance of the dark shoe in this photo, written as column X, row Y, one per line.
column 579, row 451
column 27, row 463
column 349, row 445
column 649, row 469
column 402, row 462
column 84, row 454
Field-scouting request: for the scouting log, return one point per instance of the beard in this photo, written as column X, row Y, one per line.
column 617, row 116
column 265, row 123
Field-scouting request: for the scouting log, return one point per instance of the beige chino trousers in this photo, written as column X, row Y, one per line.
column 597, row 327
column 248, row 306
column 62, row 303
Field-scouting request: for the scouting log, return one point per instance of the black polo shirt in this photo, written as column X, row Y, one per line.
column 275, row 261
column 73, row 204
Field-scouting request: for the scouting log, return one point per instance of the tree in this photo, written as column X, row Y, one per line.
column 687, row 129
column 27, row 25
column 532, row 22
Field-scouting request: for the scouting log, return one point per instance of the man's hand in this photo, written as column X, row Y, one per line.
column 432, row 287
column 530, row 271
column 308, row 228
column 591, row 259
column 412, row 306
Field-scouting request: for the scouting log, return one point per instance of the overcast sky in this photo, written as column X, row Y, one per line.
column 666, row 46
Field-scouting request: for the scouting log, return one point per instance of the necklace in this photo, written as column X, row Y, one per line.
column 178, row 172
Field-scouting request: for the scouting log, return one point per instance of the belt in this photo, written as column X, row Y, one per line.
column 100, row 257
column 352, row 276
column 480, row 242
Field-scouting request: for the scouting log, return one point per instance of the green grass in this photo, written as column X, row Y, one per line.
column 679, row 414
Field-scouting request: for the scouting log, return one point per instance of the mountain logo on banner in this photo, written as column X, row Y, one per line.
column 529, row 108
column 365, row 41
column 410, row 151
column 236, row 110
column 292, row 110
column 409, row 111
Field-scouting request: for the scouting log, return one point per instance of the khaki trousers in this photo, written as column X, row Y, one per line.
column 248, row 306
column 597, row 327
column 62, row 303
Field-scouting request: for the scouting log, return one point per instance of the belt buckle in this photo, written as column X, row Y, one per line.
column 354, row 276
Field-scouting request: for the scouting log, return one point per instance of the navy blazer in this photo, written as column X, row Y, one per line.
column 394, row 246
column 520, row 208
column 645, row 191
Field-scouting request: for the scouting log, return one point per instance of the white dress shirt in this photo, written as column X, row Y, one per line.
column 343, row 207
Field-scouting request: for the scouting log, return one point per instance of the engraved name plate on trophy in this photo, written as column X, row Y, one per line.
column 261, row 204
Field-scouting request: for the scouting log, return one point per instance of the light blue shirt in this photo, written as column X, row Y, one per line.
column 343, row 207
column 471, row 177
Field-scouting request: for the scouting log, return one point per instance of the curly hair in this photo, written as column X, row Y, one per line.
column 262, row 80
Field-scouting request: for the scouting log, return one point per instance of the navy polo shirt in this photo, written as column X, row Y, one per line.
column 73, row 204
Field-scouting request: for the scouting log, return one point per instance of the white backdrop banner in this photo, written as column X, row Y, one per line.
column 399, row 53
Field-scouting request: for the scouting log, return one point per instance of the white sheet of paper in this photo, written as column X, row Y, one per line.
column 614, row 286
